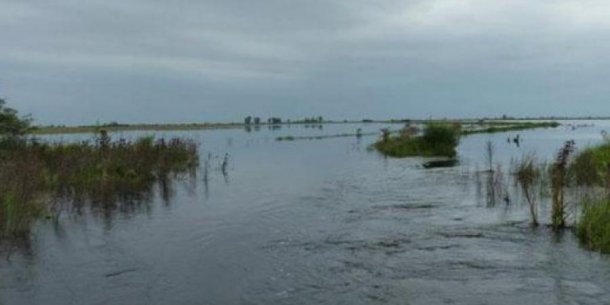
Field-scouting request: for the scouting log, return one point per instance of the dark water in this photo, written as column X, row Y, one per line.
column 315, row 222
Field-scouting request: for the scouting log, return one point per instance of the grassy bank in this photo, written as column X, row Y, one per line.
column 438, row 139
column 34, row 175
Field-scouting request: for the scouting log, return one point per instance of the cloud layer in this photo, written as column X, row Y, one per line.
column 69, row 61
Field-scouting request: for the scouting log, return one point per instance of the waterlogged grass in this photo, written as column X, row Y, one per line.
column 594, row 226
column 496, row 127
column 527, row 174
column 591, row 167
column 438, row 139
column 34, row 175
column 322, row 137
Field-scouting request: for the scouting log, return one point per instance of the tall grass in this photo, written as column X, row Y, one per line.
column 594, row 226
column 590, row 166
column 527, row 174
column 102, row 171
column 559, row 182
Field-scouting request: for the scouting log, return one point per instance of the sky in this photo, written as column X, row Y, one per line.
column 158, row 61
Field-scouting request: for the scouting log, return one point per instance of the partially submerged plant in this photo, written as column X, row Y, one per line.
column 594, row 226
column 33, row 174
column 527, row 174
column 489, row 146
column 559, row 180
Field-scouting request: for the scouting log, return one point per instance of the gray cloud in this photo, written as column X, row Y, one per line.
column 71, row 61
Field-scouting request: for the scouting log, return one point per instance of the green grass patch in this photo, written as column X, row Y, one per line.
column 591, row 166
column 594, row 226
column 438, row 139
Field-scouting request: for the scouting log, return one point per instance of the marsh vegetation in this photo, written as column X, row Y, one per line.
column 36, row 176
column 576, row 183
column 438, row 139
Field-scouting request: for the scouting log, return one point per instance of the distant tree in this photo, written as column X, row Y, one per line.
column 10, row 123
column 320, row 119
column 257, row 120
column 248, row 120
column 274, row 121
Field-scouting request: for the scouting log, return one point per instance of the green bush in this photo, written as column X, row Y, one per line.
column 10, row 123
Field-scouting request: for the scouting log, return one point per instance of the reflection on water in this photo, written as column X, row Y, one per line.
column 316, row 222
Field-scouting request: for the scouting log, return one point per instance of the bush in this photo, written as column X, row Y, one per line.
column 10, row 123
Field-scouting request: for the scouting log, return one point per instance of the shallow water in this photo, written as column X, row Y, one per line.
column 315, row 222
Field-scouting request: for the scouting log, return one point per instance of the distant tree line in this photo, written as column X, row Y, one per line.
column 250, row 120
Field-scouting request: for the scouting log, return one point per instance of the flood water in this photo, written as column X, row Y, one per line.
column 314, row 222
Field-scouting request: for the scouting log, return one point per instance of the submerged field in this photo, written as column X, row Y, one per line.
column 325, row 222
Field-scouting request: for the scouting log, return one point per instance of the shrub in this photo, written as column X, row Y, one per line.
column 10, row 123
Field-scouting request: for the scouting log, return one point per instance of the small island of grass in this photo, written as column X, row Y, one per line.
column 438, row 139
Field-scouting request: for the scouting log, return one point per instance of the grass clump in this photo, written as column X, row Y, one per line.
column 594, row 226
column 438, row 139
column 591, row 167
column 559, row 182
column 527, row 173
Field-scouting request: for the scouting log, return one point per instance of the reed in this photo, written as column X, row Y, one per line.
column 102, row 171
column 527, row 175
column 559, row 181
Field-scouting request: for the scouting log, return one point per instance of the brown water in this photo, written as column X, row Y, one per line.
column 314, row 222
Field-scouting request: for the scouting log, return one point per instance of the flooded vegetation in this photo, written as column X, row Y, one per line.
column 36, row 176
column 131, row 218
column 438, row 139
column 304, row 152
column 594, row 226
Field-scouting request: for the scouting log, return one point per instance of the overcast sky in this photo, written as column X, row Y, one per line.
column 77, row 61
